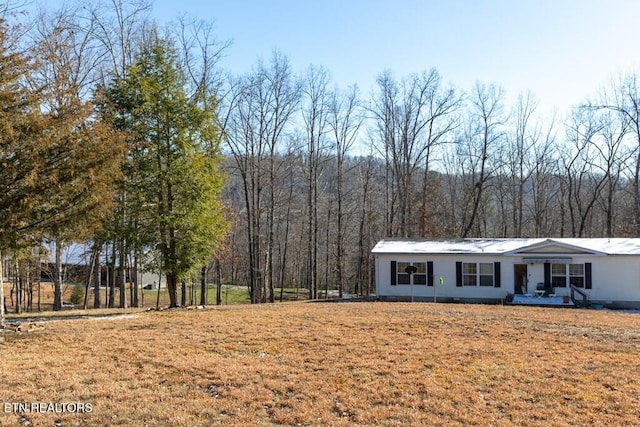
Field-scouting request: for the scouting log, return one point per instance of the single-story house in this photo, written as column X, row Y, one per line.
column 596, row 271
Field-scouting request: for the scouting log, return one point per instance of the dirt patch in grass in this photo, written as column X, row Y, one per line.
column 330, row 364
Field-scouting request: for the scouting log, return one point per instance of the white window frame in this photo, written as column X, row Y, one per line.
column 475, row 278
column 568, row 275
column 400, row 271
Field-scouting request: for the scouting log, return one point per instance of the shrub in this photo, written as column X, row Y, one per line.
column 77, row 294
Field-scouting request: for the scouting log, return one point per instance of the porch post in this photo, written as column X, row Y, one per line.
column 547, row 275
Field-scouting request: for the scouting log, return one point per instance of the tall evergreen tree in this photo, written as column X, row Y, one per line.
column 172, row 169
column 57, row 164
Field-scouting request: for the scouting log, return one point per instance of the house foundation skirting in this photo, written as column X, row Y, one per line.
column 444, row 299
column 614, row 305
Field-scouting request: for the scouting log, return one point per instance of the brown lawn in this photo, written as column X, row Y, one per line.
column 328, row 364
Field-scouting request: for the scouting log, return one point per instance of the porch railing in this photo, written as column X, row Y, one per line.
column 583, row 301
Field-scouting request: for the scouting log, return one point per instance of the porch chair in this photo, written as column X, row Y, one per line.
column 541, row 290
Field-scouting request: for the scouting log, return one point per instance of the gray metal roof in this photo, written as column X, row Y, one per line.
column 604, row 246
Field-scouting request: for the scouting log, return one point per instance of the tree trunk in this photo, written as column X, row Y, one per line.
column 38, row 274
column 283, row 258
column 477, row 196
column 90, row 280
column 218, row 283
column 30, row 282
column 312, row 218
column 135, row 283
column 2, row 315
column 203, row 285
column 327, row 253
column 18, row 284
column 172, row 289
column 339, row 237
column 97, row 277
column 112, row 279
column 158, row 293
column 57, row 281
column 270, row 231
column 122, row 275
column 183, row 294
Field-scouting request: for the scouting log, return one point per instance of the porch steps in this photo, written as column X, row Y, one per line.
column 555, row 301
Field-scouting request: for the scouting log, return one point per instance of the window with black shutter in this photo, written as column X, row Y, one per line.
column 394, row 267
column 459, row 273
column 411, row 273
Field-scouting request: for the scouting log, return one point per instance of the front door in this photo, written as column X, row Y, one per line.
column 520, row 278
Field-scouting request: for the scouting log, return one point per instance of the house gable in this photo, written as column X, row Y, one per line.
column 552, row 247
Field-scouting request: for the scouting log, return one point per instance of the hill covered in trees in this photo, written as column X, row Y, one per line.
column 438, row 163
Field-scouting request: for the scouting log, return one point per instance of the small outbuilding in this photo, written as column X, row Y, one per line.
column 583, row 271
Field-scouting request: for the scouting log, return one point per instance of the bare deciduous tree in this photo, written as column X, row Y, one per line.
column 345, row 120
column 315, row 114
column 484, row 134
column 261, row 106
column 412, row 117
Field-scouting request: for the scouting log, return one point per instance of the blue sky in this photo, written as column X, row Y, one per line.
column 561, row 50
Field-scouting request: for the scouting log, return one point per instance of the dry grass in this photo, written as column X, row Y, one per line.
column 331, row 364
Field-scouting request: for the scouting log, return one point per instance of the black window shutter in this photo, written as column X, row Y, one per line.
column 430, row 273
column 496, row 274
column 547, row 275
column 587, row 275
column 458, row 273
column 393, row 273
